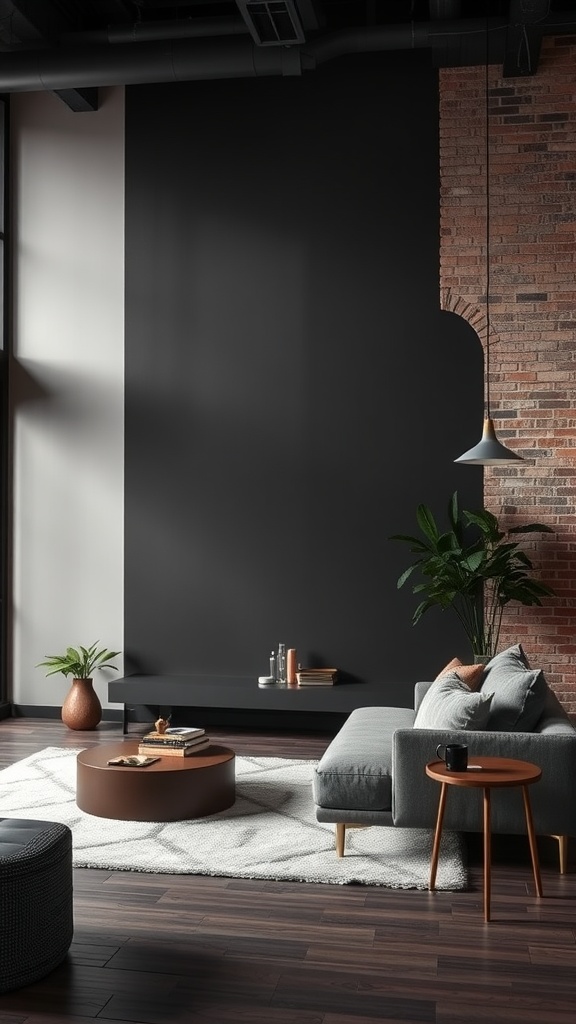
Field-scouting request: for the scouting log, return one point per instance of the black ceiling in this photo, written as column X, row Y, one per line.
column 33, row 22
column 74, row 46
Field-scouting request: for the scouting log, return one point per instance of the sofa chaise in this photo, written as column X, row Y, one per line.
column 373, row 771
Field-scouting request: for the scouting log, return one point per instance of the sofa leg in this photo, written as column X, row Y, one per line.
column 563, row 852
column 341, row 834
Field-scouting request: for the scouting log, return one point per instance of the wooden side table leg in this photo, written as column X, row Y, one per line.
column 532, row 841
column 437, row 837
column 487, row 853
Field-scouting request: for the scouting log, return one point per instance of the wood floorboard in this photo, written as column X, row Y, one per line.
column 185, row 949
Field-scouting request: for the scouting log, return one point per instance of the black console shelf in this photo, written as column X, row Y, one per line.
column 240, row 693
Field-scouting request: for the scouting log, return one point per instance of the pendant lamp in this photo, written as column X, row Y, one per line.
column 489, row 451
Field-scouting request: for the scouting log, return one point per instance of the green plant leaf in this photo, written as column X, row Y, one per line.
column 79, row 663
column 472, row 561
column 405, row 575
column 427, row 523
column 531, row 528
column 454, row 512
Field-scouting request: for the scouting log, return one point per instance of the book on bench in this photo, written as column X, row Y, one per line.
column 316, row 676
column 172, row 739
column 170, row 751
column 184, row 732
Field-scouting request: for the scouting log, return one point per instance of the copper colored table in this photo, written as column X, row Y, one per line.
column 171, row 789
column 496, row 773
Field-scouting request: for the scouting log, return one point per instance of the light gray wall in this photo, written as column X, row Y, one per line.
column 67, row 386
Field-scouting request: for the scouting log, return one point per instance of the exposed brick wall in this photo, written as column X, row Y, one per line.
column 532, row 161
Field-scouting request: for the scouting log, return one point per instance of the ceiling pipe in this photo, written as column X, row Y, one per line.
column 416, row 36
column 181, row 60
column 178, row 60
column 423, row 35
column 144, row 31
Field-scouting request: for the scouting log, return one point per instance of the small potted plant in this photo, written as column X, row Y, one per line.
column 474, row 568
column 81, row 708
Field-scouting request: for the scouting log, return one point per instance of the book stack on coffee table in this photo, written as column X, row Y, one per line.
column 174, row 742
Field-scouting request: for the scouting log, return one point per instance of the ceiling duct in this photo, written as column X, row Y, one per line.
column 60, row 68
column 272, row 22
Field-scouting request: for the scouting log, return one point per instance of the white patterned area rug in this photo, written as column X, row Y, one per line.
column 271, row 832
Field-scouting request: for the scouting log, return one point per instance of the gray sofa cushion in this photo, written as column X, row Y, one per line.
column 355, row 771
column 450, row 704
column 518, row 692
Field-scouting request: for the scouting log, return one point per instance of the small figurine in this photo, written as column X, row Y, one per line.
column 161, row 725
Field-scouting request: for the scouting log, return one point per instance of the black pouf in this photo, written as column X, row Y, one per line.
column 36, row 922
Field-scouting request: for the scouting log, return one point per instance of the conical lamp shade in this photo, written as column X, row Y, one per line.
column 489, row 451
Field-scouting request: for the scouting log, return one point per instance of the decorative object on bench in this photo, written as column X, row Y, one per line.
column 36, row 887
column 475, row 568
column 81, row 708
column 373, row 771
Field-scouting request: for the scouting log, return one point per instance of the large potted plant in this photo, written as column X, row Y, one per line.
column 81, row 708
column 474, row 568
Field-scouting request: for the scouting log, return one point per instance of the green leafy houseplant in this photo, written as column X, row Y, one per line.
column 80, row 663
column 474, row 568
column 82, row 708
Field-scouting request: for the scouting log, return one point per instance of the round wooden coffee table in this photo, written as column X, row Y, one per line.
column 495, row 772
column 171, row 789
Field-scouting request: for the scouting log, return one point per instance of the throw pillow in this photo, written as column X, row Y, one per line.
column 450, row 704
column 512, row 655
column 518, row 692
column 472, row 675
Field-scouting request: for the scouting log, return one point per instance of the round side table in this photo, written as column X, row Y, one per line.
column 494, row 773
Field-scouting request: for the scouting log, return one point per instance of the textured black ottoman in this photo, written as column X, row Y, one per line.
column 36, row 921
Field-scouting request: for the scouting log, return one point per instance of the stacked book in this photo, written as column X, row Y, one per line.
column 316, row 676
column 175, row 742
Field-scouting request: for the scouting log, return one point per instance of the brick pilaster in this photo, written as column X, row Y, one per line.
column 532, row 144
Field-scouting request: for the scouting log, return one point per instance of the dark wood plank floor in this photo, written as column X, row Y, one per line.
column 162, row 949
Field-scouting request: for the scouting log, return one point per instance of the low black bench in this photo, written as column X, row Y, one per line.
column 242, row 693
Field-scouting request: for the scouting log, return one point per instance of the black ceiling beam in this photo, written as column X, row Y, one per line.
column 45, row 21
column 463, row 43
column 524, row 37
column 37, row 21
column 79, row 100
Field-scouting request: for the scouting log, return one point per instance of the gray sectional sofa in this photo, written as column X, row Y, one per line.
column 373, row 771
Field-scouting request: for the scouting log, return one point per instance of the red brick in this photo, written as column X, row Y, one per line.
column 533, row 353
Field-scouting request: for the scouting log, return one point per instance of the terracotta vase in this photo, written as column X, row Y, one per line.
column 82, row 708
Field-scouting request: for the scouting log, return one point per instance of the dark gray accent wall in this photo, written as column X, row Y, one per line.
column 292, row 389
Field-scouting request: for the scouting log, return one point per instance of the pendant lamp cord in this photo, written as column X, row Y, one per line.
column 487, row 165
